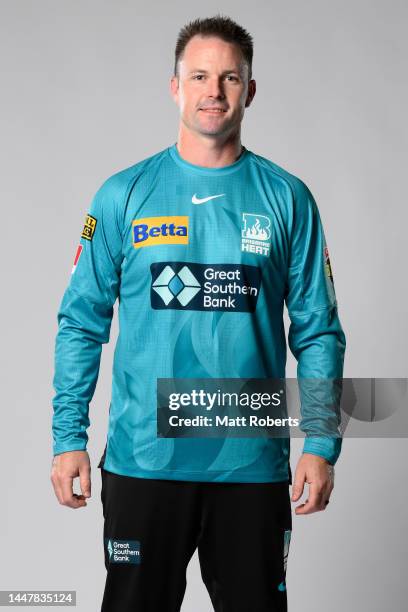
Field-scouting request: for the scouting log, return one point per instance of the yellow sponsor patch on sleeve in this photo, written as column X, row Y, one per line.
column 89, row 227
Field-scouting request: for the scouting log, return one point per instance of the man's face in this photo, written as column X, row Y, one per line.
column 212, row 90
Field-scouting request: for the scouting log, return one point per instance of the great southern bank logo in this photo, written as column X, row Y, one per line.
column 255, row 234
column 160, row 230
column 182, row 286
column 123, row 551
column 194, row 286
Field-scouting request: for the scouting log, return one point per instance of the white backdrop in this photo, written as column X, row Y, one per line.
column 85, row 93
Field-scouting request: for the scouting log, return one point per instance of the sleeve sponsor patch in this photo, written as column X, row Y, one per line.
column 327, row 264
column 89, row 227
column 329, row 276
column 76, row 259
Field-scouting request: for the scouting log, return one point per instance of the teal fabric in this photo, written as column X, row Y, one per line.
column 186, row 342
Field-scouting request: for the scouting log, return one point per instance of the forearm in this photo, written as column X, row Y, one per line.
column 83, row 328
column 318, row 343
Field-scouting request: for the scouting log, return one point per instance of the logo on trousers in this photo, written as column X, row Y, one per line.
column 123, row 551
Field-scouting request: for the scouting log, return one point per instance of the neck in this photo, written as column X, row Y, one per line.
column 207, row 151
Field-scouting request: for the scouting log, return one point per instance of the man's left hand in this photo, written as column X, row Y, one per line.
column 318, row 473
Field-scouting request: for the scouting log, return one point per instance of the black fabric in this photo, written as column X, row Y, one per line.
column 238, row 529
column 102, row 459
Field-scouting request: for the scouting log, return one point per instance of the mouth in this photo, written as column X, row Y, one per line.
column 213, row 111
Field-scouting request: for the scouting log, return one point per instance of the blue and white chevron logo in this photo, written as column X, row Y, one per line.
column 110, row 549
column 181, row 285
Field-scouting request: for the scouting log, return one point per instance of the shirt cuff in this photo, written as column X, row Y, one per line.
column 328, row 448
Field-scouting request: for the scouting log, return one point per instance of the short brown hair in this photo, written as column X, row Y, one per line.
column 220, row 26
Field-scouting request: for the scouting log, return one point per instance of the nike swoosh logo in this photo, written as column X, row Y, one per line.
column 196, row 200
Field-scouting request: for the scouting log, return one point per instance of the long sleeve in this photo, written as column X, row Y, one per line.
column 316, row 337
column 84, row 318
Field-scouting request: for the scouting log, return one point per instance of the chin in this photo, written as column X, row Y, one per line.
column 212, row 129
column 210, row 132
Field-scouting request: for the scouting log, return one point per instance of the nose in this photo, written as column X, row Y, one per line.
column 215, row 88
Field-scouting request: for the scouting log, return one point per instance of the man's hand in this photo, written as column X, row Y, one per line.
column 66, row 467
column 319, row 474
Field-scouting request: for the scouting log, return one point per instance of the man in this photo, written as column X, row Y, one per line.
column 153, row 232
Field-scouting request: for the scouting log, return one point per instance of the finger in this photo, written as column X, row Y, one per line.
column 57, row 488
column 85, row 480
column 68, row 497
column 298, row 485
column 300, row 509
column 326, row 497
column 327, row 490
column 315, row 501
column 306, row 508
column 316, row 491
column 55, row 481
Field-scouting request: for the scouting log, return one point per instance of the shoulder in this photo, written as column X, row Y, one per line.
column 117, row 185
column 110, row 200
column 282, row 179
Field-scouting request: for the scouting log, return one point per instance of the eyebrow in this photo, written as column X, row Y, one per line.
column 206, row 71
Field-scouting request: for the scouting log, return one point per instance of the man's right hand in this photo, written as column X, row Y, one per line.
column 66, row 467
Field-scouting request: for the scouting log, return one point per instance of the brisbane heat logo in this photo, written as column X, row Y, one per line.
column 160, row 230
column 256, row 234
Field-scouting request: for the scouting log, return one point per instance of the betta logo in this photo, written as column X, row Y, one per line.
column 160, row 230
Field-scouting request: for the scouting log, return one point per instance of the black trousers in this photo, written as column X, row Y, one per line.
column 152, row 528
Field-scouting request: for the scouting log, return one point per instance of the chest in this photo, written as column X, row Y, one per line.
column 209, row 246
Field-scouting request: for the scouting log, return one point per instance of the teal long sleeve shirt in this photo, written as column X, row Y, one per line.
column 152, row 233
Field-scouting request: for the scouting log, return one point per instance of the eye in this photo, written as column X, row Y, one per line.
column 198, row 76
column 231, row 76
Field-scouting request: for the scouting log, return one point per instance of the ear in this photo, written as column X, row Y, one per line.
column 174, row 87
column 251, row 92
